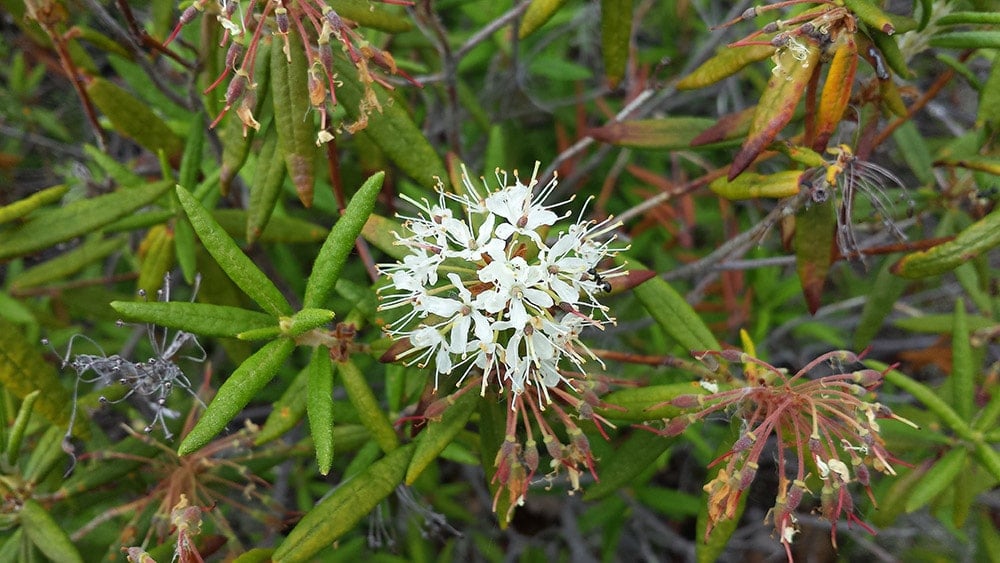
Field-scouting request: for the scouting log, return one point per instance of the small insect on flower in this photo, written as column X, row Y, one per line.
column 148, row 383
column 843, row 179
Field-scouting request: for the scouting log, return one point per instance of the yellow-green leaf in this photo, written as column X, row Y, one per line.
column 134, row 119
column 236, row 392
column 78, row 218
column 22, row 207
column 980, row 237
column 616, row 31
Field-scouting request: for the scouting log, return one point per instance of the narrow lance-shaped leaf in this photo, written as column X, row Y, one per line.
column 978, row 238
column 367, row 406
column 777, row 104
column 439, row 433
column 338, row 513
column 292, row 116
column 538, row 12
column 962, row 369
column 24, row 206
column 616, row 31
column 674, row 315
column 319, row 407
column 68, row 263
column 231, row 259
column 47, row 535
column 937, row 479
column 726, row 63
column 78, row 218
column 237, row 391
column 266, row 187
column 664, row 133
column 340, row 241
column 287, row 411
column 16, row 435
column 156, row 255
column 815, row 227
column 220, row 321
column 751, row 185
column 134, row 119
column 837, row 89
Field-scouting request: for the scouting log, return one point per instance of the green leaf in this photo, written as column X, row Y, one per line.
column 439, row 434
column 280, row 228
column 392, row 129
column 616, row 31
column 962, row 368
column 45, row 454
column 367, row 406
column 24, row 206
column 814, row 232
column 266, row 187
column 204, row 319
column 942, row 323
column 668, row 133
column 16, row 435
column 287, row 411
column 985, row 39
column 978, row 238
column 238, row 390
column 674, row 315
column 638, row 452
column 77, row 218
column 67, row 263
column 538, row 13
column 47, row 535
column 293, row 118
column 884, row 293
column 23, row 370
column 349, row 503
column 638, row 402
column 319, row 406
column 237, row 265
column 340, row 242
column 304, row 321
column 134, row 118
column 937, row 479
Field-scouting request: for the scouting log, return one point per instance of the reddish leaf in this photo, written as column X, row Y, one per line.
column 795, row 66
column 814, row 247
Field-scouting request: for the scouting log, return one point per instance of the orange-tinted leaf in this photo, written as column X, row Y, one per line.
column 777, row 104
column 837, row 90
column 727, row 63
column 814, row 240
column 665, row 133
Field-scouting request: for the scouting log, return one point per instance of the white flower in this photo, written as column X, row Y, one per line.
column 482, row 290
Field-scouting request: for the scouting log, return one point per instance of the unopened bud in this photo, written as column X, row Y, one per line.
column 281, row 20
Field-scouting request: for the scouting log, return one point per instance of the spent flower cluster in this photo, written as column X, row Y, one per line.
column 489, row 294
column 826, row 424
column 314, row 23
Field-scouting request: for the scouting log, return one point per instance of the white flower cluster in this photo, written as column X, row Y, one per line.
column 485, row 290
